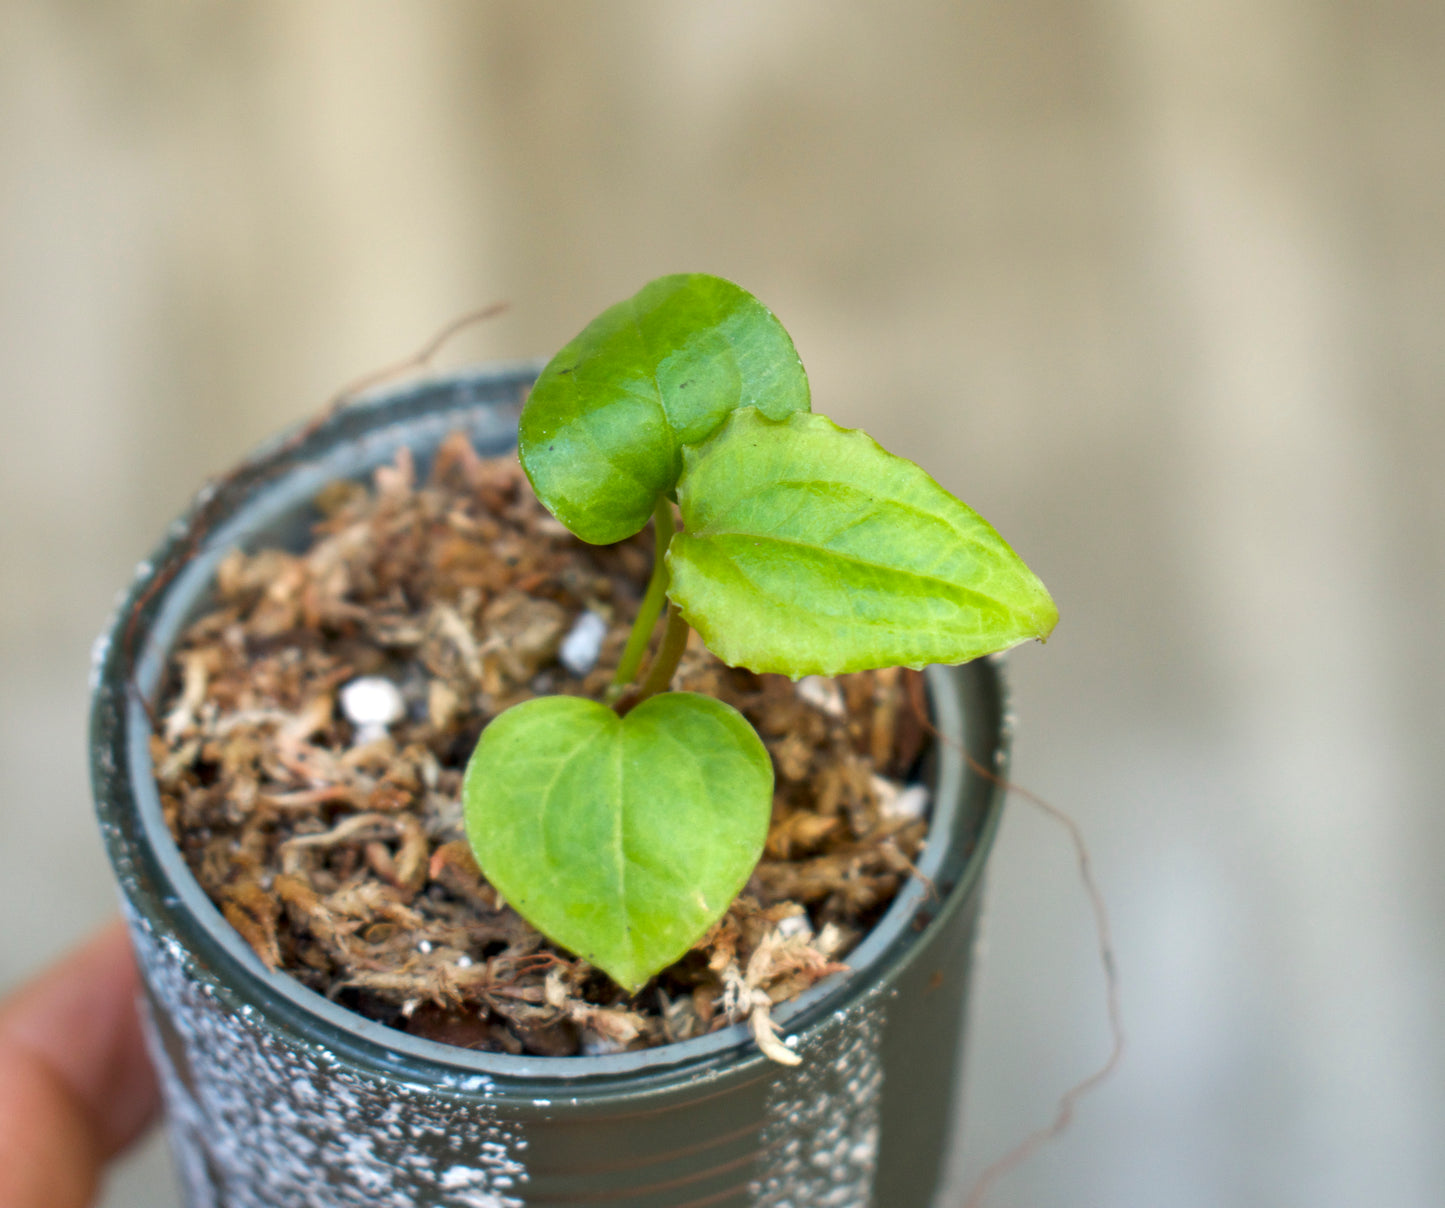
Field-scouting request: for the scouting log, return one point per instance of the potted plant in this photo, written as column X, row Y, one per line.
column 620, row 831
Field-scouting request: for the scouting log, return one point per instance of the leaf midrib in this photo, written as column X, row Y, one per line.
column 563, row 763
column 654, row 364
column 819, row 486
column 759, row 538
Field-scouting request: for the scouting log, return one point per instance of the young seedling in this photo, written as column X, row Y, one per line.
column 805, row 549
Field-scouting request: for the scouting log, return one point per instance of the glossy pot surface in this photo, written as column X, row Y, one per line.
column 277, row 1097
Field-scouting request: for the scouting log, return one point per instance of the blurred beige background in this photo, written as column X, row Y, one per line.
column 1157, row 287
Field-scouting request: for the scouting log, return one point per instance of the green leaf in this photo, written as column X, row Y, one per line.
column 603, row 428
column 620, row 838
column 809, row 549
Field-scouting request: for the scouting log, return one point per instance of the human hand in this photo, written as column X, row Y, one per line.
column 76, row 1087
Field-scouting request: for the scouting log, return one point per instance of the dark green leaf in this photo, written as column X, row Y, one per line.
column 809, row 549
column 621, row 839
column 603, row 428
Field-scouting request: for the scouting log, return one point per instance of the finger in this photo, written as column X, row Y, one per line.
column 49, row 1154
column 75, row 1084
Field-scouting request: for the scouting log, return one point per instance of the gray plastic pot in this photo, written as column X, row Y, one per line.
column 278, row 1098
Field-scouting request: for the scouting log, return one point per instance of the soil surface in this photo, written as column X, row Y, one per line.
column 319, row 719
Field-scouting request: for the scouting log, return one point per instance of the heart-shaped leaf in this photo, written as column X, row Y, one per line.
column 809, row 549
column 601, row 433
column 620, row 838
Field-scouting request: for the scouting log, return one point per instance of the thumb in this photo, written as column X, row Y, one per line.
column 75, row 1085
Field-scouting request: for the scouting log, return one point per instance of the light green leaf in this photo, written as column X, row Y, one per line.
column 809, row 549
column 602, row 430
column 620, row 838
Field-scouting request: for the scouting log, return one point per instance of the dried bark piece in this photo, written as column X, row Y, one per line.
column 254, row 913
column 524, row 632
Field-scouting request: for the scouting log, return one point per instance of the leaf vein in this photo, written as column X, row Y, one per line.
column 956, row 590
column 549, row 791
column 805, row 487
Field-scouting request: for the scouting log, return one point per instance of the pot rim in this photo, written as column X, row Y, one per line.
column 280, row 480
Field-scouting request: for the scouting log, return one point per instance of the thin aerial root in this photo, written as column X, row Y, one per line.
column 1064, row 1114
column 1035, row 1141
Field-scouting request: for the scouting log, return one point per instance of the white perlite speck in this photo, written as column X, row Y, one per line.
column 823, row 694
column 257, row 1122
column 371, row 703
column 794, row 924
column 582, row 646
column 900, row 802
column 821, row 1138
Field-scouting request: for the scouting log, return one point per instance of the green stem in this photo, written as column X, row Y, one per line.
column 669, row 655
column 662, row 528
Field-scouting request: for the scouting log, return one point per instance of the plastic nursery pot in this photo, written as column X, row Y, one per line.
column 277, row 1097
